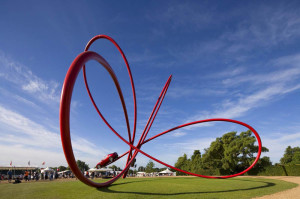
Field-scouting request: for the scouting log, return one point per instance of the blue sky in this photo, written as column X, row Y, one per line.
column 238, row 60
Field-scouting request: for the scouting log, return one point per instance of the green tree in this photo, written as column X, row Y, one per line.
column 231, row 152
column 212, row 157
column 82, row 165
column 150, row 166
column 288, row 156
column 141, row 168
column 196, row 162
column 156, row 169
column 115, row 168
column 130, row 171
column 183, row 164
column 296, row 158
column 263, row 163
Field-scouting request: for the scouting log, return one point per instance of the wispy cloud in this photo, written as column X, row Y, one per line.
column 237, row 108
column 269, row 86
column 178, row 134
column 23, row 78
column 267, row 26
column 277, row 144
column 24, row 133
column 259, row 30
column 281, row 76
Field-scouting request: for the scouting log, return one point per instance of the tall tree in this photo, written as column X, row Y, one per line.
column 196, row 161
column 150, row 166
column 296, row 158
column 212, row 157
column 115, row 168
column 182, row 163
column 289, row 154
column 82, row 165
column 231, row 152
column 141, row 168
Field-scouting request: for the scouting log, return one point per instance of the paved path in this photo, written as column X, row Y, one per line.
column 288, row 194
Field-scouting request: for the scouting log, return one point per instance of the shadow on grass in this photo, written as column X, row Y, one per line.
column 108, row 190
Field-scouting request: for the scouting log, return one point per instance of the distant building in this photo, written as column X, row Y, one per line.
column 140, row 174
column 17, row 170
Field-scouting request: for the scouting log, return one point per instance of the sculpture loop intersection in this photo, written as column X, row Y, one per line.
column 66, row 95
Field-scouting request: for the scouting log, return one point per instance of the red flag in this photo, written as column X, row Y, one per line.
column 43, row 163
column 10, row 163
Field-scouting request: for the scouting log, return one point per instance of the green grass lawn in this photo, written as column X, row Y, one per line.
column 181, row 187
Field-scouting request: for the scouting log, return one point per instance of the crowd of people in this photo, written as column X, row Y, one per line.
column 33, row 176
column 36, row 175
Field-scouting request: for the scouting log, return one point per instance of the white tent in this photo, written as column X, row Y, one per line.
column 99, row 170
column 167, row 172
column 62, row 172
column 140, row 174
column 47, row 170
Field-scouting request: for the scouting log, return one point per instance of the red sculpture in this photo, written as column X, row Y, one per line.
column 66, row 95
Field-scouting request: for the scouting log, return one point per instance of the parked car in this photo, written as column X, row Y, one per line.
column 107, row 160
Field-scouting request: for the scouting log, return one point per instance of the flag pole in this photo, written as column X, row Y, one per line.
column 11, row 167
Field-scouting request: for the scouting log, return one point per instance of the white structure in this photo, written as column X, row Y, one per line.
column 47, row 170
column 100, row 170
column 167, row 172
column 63, row 172
column 140, row 174
column 103, row 172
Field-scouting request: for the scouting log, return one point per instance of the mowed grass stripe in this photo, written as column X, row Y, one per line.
column 177, row 187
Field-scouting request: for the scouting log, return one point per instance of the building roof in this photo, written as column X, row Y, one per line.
column 19, row 168
column 166, row 171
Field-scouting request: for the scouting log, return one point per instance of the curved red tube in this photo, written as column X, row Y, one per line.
column 66, row 96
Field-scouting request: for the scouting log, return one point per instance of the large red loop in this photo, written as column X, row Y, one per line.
column 121, row 97
column 65, row 102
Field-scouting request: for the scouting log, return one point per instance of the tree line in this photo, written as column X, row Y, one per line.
column 232, row 153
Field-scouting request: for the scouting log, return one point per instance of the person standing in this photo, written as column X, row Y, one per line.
column 9, row 173
column 26, row 175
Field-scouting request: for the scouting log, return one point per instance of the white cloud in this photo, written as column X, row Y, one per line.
column 278, row 144
column 23, row 78
column 266, row 26
column 268, row 86
column 178, row 134
column 258, row 31
column 233, row 109
column 20, row 154
column 22, row 133
column 281, row 76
